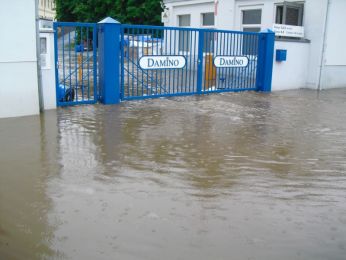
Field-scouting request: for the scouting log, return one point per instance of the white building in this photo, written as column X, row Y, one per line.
column 315, row 59
column 19, row 94
column 20, row 76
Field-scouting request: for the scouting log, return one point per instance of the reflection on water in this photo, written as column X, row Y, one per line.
column 229, row 176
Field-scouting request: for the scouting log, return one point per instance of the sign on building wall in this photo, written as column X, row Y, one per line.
column 288, row 30
column 162, row 62
column 230, row 61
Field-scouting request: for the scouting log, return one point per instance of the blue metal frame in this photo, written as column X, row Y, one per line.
column 68, row 91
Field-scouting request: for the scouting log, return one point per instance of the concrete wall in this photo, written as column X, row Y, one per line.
column 291, row 74
column 333, row 74
column 18, row 60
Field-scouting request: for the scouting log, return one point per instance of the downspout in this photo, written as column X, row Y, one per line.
column 323, row 45
column 38, row 57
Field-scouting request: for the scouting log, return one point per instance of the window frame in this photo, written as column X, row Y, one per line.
column 297, row 5
column 207, row 26
column 250, row 8
column 181, row 33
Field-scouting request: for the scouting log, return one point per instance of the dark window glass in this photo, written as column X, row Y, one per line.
column 252, row 16
column 208, row 19
column 184, row 20
column 292, row 16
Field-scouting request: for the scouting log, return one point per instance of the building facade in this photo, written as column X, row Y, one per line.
column 46, row 9
column 311, row 32
column 19, row 94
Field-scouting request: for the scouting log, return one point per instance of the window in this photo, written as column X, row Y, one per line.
column 43, row 52
column 251, row 20
column 184, row 39
column 208, row 19
column 184, row 20
column 289, row 13
column 43, row 45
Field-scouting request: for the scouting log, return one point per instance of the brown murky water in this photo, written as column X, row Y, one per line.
column 224, row 176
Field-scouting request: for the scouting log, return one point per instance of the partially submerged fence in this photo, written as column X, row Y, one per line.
column 138, row 61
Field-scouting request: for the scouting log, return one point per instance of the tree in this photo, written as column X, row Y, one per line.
column 125, row 11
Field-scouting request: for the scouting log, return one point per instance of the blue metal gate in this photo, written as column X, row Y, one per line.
column 156, row 61
column 76, row 63
column 212, row 61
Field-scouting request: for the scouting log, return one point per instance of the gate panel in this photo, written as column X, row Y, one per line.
column 76, row 63
column 155, row 44
column 215, row 61
column 223, row 52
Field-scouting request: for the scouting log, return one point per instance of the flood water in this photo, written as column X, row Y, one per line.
column 222, row 176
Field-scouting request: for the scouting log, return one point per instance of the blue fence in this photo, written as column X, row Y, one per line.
column 137, row 61
column 200, row 48
column 76, row 63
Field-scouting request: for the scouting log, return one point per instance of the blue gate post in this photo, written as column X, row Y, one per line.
column 265, row 61
column 200, row 61
column 109, row 63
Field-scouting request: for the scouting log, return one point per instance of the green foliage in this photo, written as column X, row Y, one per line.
column 125, row 11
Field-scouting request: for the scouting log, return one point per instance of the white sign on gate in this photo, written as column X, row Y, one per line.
column 162, row 62
column 288, row 30
column 230, row 61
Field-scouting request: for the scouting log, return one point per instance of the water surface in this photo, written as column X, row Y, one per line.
column 222, row 176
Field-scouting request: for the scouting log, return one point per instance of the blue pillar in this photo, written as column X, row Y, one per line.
column 200, row 61
column 265, row 61
column 109, row 63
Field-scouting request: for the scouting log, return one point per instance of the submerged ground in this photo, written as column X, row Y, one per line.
column 222, row 176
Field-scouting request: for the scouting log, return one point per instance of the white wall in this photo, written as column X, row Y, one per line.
column 18, row 61
column 194, row 8
column 291, row 74
column 314, row 19
column 333, row 73
column 48, row 72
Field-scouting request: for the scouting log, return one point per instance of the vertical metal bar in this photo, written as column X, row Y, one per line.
column 142, row 72
column 237, row 54
column 188, row 64
column 158, row 79
column 165, row 35
column 133, row 61
column 226, row 72
column 152, row 53
column 195, row 66
column 137, row 65
column 222, row 44
column 255, row 46
column 175, row 40
column 248, row 54
column 170, row 53
column 128, row 62
column 63, row 58
column 69, row 57
column 56, row 57
column 75, row 63
column 215, row 39
column 122, row 48
column 82, row 67
column 250, row 65
column 88, row 65
column 200, row 60
column 95, row 60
